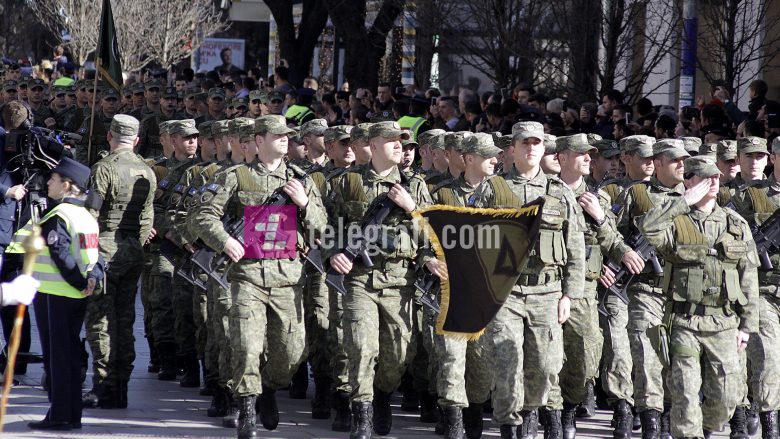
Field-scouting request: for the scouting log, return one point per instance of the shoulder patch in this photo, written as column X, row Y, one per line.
column 52, row 238
column 206, row 197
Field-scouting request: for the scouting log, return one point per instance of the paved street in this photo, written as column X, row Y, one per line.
column 164, row 410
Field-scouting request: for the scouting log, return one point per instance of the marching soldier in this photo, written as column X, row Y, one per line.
column 549, row 163
column 358, row 140
column 311, row 135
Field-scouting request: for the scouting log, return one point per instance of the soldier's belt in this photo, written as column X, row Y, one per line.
column 693, row 309
column 538, row 279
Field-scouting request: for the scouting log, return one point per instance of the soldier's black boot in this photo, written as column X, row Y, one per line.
column 383, row 415
column 439, row 428
column 230, row 420
column 320, row 405
column 168, row 368
column 342, row 421
column 623, row 419
column 429, row 412
column 637, row 419
column 553, row 429
column 751, row 415
column 453, row 423
column 191, row 376
column 362, row 420
column 769, row 425
column 472, row 420
column 530, row 426
column 218, row 407
column 154, row 358
column 247, row 420
column 568, row 422
column 666, row 424
column 410, row 399
column 588, row 407
column 269, row 411
column 89, row 400
column 650, row 427
column 300, row 382
column 121, row 394
column 509, row 431
column 100, row 396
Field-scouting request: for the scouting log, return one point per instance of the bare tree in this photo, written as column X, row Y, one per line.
column 79, row 18
column 432, row 18
column 16, row 40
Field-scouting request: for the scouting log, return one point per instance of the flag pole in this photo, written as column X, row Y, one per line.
column 92, row 112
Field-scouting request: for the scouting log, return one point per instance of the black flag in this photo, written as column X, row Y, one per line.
column 107, row 59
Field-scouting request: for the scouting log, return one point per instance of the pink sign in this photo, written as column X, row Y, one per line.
column 270, row 232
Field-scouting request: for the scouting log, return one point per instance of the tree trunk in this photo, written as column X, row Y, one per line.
column 585, row 48
column 614, row 19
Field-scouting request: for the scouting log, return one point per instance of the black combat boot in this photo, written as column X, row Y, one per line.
column 300, row 382
column 769, row 425
column 751, row 415
column 247, row 419
column 383, row 415
column 410, row 399
column 121, row 394
column 230, row 420
column 472, row 420
column 320, row 405
column 191, row 376
column 623, row 420
column 666, row 424
column 362, row 420
column 453, row 423
column 553, row 429
column 90, row 399
column 587, row 408
column 429, row 412
column 439, row 428
column 100, row 396
column 509, row 432
column 530, row 426
column 342, row 421
column 267, row 408
column 168, row 368
column 218, row 407
column 650, row 427
column 154, row 358
column 568, row 422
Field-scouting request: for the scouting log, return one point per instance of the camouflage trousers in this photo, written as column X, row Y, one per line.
column 378, row 326
column 161, row 302
column 146, row 292
column 339, row 361
column 200, row 316
column 705, row 362
column 316, row 307
column 109, row 323
column 525, row 342
column 462, row 376
column 421, row 350
column 582, row 344
column 646, row 311
column 616, row 361
column 184, row 326
column 763, row 352
column 268, row 336
column 217, row 355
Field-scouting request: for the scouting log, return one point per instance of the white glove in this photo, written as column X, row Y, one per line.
column 20, row 290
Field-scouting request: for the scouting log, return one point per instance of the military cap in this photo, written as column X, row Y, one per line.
column 229, row 103
column 607, row 148
column 702, row 166
column 503, row 141
column 124, row 125
column 338, row 132
column 692, row 144
column 437, row 142
column 382, row 116
column 424, row 137
column 776, row 145
column 275, row 95
column 455, row 140
column 59, row 90
column 71, row 91
column 216, row 92
column 126, row 92
column 709, row 150
column 109, row 93
column 219, row 128
column 234, row 125
column 182, row 128
column 549, row 144
column 593, row 138
column 575, row 142
column 205, row 129
column 240, row 102
column 480, row 144
column 164, row 126
column 137, row 88
column 387, row 130
column 295, row 136
column 274, row 124
column 640, row 145
column 752, row 144
column 170, row 93
column 726, row 150
column 525, row 130
column 314, row 126
column 246, row 131
column 258, row 95
column 360, row 132
column 672, row 148
column 73, row 170
column 148, row 85
column 10, row 85
column 82, row 83
column 37, row 82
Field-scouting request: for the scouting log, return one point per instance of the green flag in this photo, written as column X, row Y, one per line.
column 107, row 55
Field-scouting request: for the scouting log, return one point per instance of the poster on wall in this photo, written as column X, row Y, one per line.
column 216, row 52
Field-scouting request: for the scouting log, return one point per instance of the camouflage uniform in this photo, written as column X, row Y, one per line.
column 149, row 138
column 713, row 286
column 99, row 141
column 122, row 186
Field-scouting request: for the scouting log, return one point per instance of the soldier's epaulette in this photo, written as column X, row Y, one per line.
column 555, row 187
column 442, row 184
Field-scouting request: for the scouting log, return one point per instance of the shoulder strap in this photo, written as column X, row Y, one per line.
column 613, row 190
column 686, row 231
column 758, row 198
column 642, row 201
column 245, row 180
column 353, row 187
column 448, row 197
column 319, row 180
column 504, row 197
column 555, row 188
column 724, row 196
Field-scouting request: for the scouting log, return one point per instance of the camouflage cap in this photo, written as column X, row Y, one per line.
column 607, row 148
column 503, row 142
column 480, row 144
column 640, row 145
column 164, row 126
column 182, row 128
column 525, row 130
column 702, row 166
column 137, row 87
column 216, row 92
column 575, row 142
column 455, row 140
column 314, row 126
column 593, row 138
column 709, row 150
column 169, row 93
column 672, row 148
column 240, row 102
column 692, row 144
column 338, row 132
column 275, row 96
column 234, row 125
column 229, row 103
column 726, row 150
column 205, row 129
column 437, row 142
column 272, row 123
column 59, row 90
column 424, row 137
column 387, row 130
column 360, row 132
column 247, row 132
column 776, row 145
column 752, row 144
column 126, row 91
column 36, row 83
column 219, row 128
column 258, row 94
column 10, row 85
column 109, row 93
column 71, row 90
column 382, row 116
column 295, row 136
column 124, row 125
column 550, row 147
column 148, row 85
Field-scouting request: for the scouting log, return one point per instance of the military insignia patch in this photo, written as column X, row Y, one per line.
column 206, row 197
column 52, row 238
column 175, row 198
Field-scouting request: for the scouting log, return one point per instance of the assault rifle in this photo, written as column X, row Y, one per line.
column 767, row 239
column 647, row 252
column 429, row 285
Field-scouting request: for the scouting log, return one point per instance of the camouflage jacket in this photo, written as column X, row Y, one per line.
column 99, row 146
column 455, row 192
column 149, row 135
column 165, row 191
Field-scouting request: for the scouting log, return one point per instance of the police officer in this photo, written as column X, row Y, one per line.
column 69, row 268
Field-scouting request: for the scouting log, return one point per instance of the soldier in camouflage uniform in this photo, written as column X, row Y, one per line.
column 378, row 304
column 38, row 102
column 692, row 145
column 311, row 135
column 713, row 294
column 258, row 100
column 433, row 140
column 266, row 316
column 727, row 162
column 85, row 153
column 549, row 164
column 120, row 196
column 359, row 142
column 149, row 144
column 64, row 115
column 645, row 293
column 463, row 382
column 526, row 334
column 505, row 158
column 296, row 151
